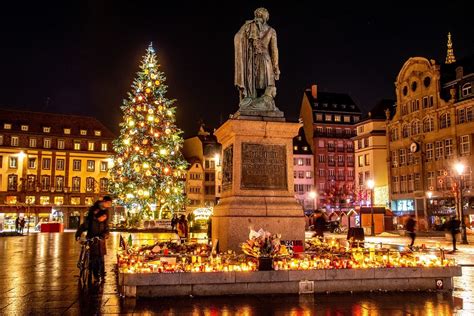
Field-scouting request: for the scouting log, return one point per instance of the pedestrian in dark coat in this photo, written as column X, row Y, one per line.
column 96, row 225
column 410, row 227
column 454, row 227
column 319, row 225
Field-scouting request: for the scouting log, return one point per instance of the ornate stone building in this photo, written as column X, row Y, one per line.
column 52, row 166
column 431, row 131
column 329, row 124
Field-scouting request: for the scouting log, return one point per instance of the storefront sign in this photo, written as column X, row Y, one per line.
column 202, row 213
column 264, row 167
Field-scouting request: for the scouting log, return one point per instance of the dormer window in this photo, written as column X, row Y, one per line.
column 295, row 147
column 97, row 133
column 7, row 126
column 67, row 131
column 83, row 132
column 343, row 106
column 46, row 129
column 305, row 148
column 466, row 89
column 24, row 128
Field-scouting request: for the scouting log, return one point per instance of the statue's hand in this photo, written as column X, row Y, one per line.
column 277, row 74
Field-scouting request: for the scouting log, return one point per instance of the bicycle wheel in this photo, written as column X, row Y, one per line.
column 85, row 276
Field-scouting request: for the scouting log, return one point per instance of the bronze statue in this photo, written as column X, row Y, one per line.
column 256, row 64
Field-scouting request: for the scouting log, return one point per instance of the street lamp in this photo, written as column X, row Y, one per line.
column 460, row 170
column 370, row 185
column 313, row 195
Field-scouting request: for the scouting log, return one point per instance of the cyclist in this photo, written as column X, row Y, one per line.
column 96, row 225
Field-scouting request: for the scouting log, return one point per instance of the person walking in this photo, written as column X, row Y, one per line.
column 22, row 225
column 319, row 225
column 410, row 227
column 17, row 224
column 453, row 226
column 174, row 222
column 96, row 225
column 183, row 228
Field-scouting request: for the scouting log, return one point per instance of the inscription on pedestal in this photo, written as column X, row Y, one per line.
column 227, row 168
column 263, row 167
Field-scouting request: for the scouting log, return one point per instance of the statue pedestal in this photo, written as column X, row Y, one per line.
column 257, row 182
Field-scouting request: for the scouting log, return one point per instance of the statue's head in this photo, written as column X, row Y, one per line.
column 262, row 14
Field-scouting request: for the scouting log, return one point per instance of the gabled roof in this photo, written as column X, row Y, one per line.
column 378, row 111
column 300, row 143
column 57, row 122
column 332, row 102
column 448, row 71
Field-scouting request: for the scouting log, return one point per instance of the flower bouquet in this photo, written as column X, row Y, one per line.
column 264, row 246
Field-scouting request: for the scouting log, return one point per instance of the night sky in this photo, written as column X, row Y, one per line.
column 81, row 57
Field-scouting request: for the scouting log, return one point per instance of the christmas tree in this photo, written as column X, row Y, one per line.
column 148, row 168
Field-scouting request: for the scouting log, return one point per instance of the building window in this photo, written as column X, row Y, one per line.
column 103, row 146
column 356, row 119
column 404, row 109
column 300, row 174
column 405, row 131
column 46, row 164
column 307, row 161
column 466, row 89
column 24, row 128
column 15, row 141
column 428, row 124
column 300, row 162
column 321, row 158
column 90, row 183
column 77, row 145
column 321, row 143
column 83, row 132
column 76, row 165
column 103, row 166
column 308, row 175
column 60, row 143
column 394, row 158
column 448, row 147
column 47, row 143
column 1, row 139
column 32, row 142
column 445, row 120
column 30, row 199
column 97, row 133
column 31, row 163
column 360, row 159
column 410, row 158
column 90, row 146
column 44, row 200
column 465, row 145
column 331, row 161
column 415, row 127
column 425, row 102
column 403, row 156
column 59, row 164
column 403, row 184
column 411, row 183
column 30, row 183
column 321, row 173
column 59, row 183
column 58, row 200
column 367, row 159
column 13, row 162
column 431, row 103
column 469, row 114
column 76, row 184
column 395, row 185
column 347, row 119
column 104, row 184
column 431, row 180
column 319, row 117
column 438, row 149
column 337, row 118
column 394, row 134
column 12, row 182
column 67, row 131
column 46, row 129
column 429, row 151
column 90, row 165
column 361, row 178
column 328, row 117
column 7, row 126
column 75, row 200
column 45, row 183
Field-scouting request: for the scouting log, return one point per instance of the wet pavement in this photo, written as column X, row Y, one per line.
column 38, row 275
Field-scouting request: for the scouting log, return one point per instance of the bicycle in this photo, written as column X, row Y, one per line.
column 85, row 275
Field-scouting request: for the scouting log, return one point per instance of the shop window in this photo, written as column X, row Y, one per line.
column 58, row 200
column 11, row 199
column 75, row 200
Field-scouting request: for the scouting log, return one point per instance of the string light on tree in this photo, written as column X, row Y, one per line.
column 144, row 172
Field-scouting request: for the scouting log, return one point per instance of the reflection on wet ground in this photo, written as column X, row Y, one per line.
column 38, row 275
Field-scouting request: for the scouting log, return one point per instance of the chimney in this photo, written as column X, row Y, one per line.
column 314, row 91
column 459, row 72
